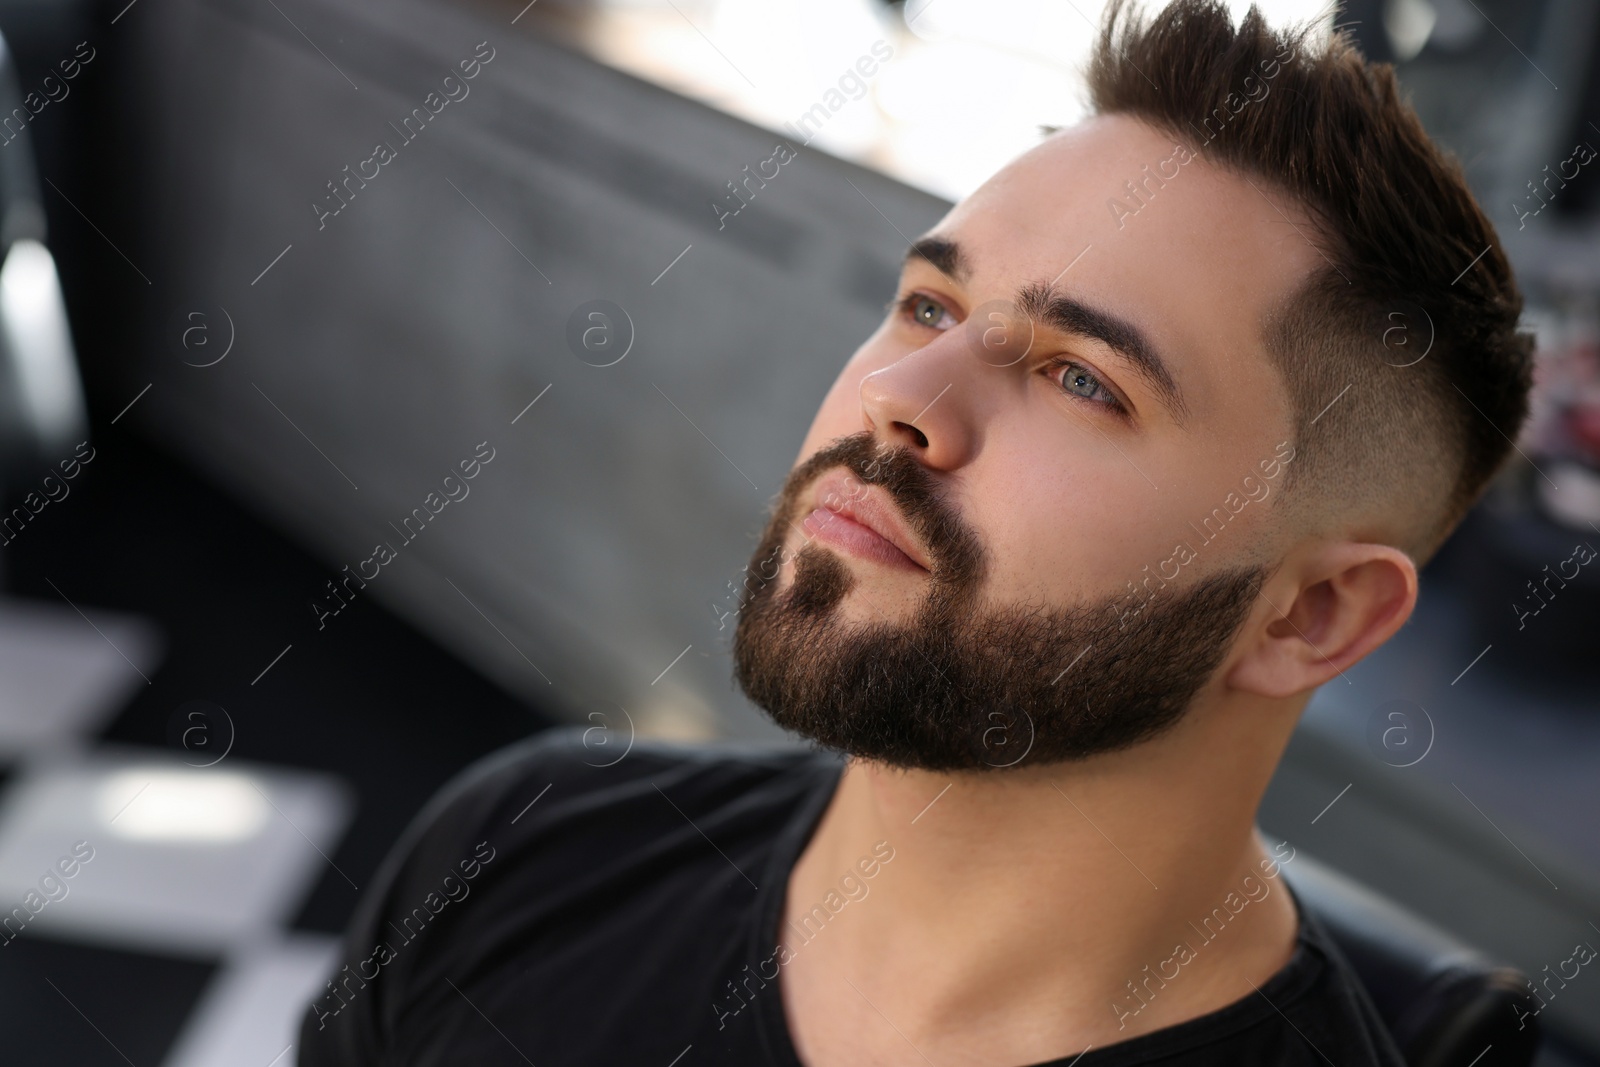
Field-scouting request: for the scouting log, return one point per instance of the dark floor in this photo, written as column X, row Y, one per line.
column 371, row 700
column 142, row 998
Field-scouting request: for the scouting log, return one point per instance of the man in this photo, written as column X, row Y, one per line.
column 1135, row 462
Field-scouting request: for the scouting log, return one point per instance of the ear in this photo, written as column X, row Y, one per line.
column 1323, row 616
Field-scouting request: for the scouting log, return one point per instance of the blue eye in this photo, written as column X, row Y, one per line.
column 1080, row 382
column 924, row 310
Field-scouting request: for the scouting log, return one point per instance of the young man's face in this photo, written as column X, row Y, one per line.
column 1072, row 396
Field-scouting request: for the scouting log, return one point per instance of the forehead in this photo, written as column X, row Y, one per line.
column 1194, row 255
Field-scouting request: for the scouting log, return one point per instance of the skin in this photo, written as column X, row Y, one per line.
column 1012, row 916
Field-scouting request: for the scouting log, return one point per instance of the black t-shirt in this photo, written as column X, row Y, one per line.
column 549, row 909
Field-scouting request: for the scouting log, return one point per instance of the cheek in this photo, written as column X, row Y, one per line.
column 1064, row 522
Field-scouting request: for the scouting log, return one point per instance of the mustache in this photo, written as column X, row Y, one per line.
column 954, row 549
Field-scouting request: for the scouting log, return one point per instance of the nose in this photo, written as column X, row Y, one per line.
column 928, row 401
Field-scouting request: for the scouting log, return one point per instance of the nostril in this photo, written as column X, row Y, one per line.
column 916, row 435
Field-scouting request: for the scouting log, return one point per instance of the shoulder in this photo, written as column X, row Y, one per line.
column 522, row 820
column 1337, row 1006
column 1316, row 1009
column 555, row 799
column 568, row 772
column 1312, row 1012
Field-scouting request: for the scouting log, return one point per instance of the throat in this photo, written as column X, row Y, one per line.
column 951, row 913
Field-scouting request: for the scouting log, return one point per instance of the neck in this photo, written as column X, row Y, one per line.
column 1031, row 888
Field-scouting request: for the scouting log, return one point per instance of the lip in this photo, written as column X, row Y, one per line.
column 861, row 520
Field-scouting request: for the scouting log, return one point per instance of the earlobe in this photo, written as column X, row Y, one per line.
column 1350, row 598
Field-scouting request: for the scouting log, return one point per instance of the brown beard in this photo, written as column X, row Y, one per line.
column 963, row 686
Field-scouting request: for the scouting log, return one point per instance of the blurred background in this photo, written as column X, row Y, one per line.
column 543, row 353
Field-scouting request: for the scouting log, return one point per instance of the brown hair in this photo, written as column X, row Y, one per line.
column 1413, row 264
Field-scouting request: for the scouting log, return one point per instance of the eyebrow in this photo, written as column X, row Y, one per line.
column 944, row 254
